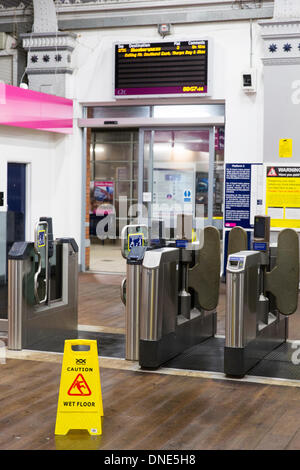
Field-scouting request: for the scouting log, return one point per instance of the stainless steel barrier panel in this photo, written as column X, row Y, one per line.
column 159, row 303
column 133, row 289
column 41, row 244
column 15, row 281
column 242, row 292
column 134, row 239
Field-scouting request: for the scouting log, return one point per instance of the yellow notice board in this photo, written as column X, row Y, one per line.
column 285, row 148
column 283, row 196
column 80, row 399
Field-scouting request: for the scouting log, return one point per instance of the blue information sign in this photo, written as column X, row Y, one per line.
column 135, row 239
column 237, row 195
column 181, row 243
column 41, row 238
column 259, row 246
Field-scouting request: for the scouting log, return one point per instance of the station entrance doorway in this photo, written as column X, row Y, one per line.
column 149, row 161
column 12, row 227
column 150, row 173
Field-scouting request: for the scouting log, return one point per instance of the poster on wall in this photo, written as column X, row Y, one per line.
column 173, row 192
column 243, row 194
column 283, row 196
column 102, row 197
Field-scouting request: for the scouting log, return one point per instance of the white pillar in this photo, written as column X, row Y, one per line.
column 287, row 9
column 281, row 59
column 49, row 60
column 45, row 20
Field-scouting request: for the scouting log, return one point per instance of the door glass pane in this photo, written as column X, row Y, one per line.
column 218, row 192
column 113, row 188
column 120, row 111
column 188, row 111
column 179, row 180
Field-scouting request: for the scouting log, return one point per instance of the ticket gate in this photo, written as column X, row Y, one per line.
column 261, row 292
column 42, row 288
column 172, row 291
column 179, row 296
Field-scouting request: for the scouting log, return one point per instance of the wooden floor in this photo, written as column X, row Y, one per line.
column 149, row 411
column 100, row 303
column 144, row 410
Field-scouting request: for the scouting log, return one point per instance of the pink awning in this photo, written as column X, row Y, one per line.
column 26, row 108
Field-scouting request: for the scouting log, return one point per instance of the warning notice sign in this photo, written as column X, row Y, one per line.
column 283, row 196
column 243, row 193
column 80, row 399
column 79, row 387
column 272, row 172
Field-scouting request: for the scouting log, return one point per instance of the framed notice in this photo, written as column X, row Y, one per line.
column 173, row 192
column 243, row 194
column 102, row 197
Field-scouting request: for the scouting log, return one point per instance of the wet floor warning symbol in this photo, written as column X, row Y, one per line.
column 79, row 387
column 80, row 399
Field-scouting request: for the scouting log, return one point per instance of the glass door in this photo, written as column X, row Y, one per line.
column 113, row 190
column 182, row 172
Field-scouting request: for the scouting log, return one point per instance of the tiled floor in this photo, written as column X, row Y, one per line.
column 106, row 257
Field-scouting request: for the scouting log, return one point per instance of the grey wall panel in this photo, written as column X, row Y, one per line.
column 281, row 110
column 2, row 246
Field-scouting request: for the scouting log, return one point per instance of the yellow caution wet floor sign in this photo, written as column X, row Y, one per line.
column 80, row 400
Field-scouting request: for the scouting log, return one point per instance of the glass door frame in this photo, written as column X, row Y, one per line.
column 143, row 130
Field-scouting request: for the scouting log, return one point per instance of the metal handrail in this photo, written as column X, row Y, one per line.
column 123, row 290
column 38, row 272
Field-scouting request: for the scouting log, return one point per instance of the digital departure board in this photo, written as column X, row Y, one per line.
column 162, row 69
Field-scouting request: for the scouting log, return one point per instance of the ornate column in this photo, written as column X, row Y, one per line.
column 281, row 59
column 286, row 9
column 49, row 58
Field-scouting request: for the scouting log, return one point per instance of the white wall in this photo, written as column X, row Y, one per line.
column 54, row 188
column 93, row 57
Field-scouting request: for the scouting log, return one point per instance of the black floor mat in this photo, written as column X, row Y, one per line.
column 109, row 345
column 207, row 356
column 281, row 363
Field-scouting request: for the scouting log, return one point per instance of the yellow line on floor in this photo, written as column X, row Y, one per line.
column 122, row 364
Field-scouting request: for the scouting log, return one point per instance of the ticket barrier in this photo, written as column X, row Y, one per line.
column 179, row 296
column 171, row 291
column 136, row 240
column 262, row 291
column 42, row 288
column 134, row 243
